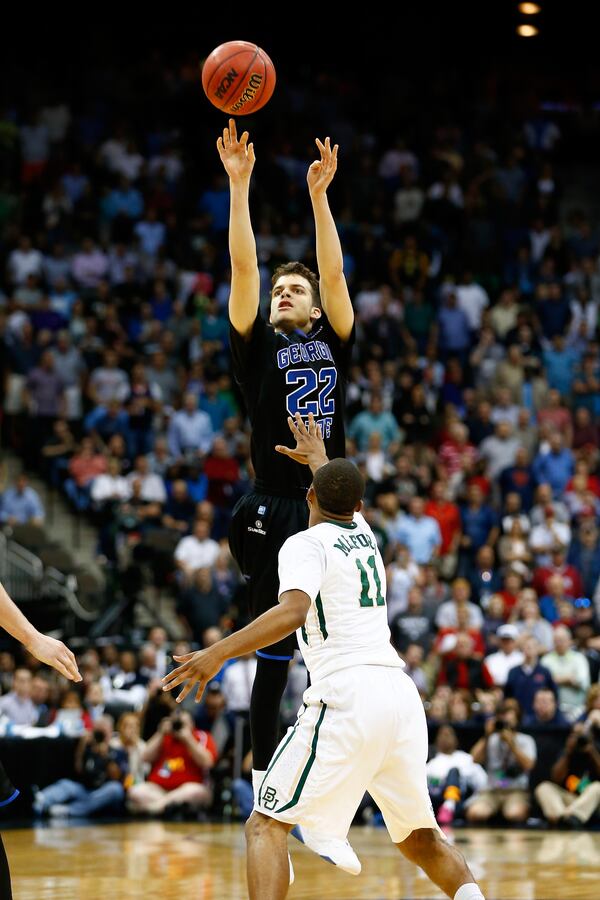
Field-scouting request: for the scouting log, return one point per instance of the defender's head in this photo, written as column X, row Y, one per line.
column 336, row 492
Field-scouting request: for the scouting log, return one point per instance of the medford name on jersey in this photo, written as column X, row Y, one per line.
column 348, row 543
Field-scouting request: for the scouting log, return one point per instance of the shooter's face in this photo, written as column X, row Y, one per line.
column 292, row 303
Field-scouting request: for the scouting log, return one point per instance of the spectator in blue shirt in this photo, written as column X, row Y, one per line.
column 545, row 712
column 519, row 479
column 555, row 467
column 560, row 362
column 190, row 430
column 454, row 336
column 217, row 407
column 21, row 505
column 151, row 233
column 420, row 533
column 479, row 526
column 375, row 419
column 104, row 421
column 531, row 676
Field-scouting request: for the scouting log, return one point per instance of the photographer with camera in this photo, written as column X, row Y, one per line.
column 573, row 795
column 508, row 756
column 180, row 756
column 101, row 769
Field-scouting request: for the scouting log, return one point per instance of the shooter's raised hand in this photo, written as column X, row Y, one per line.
column 321, row 172
column 237, row 155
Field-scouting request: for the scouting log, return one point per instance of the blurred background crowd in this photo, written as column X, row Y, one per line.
column 472, row 252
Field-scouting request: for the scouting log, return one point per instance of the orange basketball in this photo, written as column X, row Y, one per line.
column 238, row 77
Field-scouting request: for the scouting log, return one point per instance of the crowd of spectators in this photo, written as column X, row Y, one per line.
column 472, row 408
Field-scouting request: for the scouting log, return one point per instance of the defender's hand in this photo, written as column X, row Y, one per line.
column 310, row 447
column 199, row 667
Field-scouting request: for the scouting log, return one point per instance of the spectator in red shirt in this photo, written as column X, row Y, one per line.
column 84, row 466
column 573, row 586
column 181, row 757
column 463, row 670
column 447, row 515
column 557, row 416
column 457, row 453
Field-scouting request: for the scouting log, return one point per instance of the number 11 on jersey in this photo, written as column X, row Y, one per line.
column 366, row 595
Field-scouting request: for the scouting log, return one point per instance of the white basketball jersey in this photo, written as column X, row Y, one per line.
column 340, row 568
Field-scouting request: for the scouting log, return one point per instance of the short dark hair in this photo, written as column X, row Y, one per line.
column 339, row 487
column 298, row 268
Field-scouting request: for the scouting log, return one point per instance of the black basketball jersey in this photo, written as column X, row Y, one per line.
column 280, row 375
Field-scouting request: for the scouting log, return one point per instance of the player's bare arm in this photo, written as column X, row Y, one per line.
column 48, row 650
column 334, row 290
column 237, row 156
column 274, row 625
column 310, row 447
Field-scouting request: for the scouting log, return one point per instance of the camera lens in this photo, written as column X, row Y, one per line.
column 177, row 724
column 98, row 735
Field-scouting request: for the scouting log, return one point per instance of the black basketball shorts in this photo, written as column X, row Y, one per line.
column 260, row 524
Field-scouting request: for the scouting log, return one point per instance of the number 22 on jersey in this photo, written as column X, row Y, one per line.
column 310, row 382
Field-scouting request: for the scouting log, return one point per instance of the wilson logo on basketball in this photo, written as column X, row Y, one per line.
column 225, row 84
column 250, row 92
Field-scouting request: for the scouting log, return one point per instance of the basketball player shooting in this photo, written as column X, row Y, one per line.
column 362, row 725
column 294, row 363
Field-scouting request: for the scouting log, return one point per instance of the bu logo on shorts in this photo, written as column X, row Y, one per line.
column 269, row 798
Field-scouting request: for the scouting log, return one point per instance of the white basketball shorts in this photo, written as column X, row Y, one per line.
column 360, row 729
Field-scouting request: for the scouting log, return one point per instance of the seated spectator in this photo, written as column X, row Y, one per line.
column 84, row 466
column 190, row 433
column 556, row 466
column 461, row 668
column 443, row 643
column 40, row 697
column 484, row 578
column 495, row 617
column 70, row 716
column 518, row 479
column 507, row 756
column 529, row 620
column 420, row 533
column 201, row 604
column 152, row 486
column 584, row 557
column 447, row 515
column 558, row 565
column 101, row 770
column 544, row 711
column 543, row 499
column 196, row 551
column 17, row 706
column 513, row 549
column 479, row 526
column 526, row 680
column 181, row 757
column 452, row 776
column 413, row 659
column 110, row 486
column 108, row 382
column 570, row 671
column 414, row 625
column 499, row 663
column 547, row 536
column 237, row 682
column 376, row 418
column 402, row 574
column 126, row 686
column 178, row 511
column 572, row 796
column 21, row 505
column 550, row 603
column 447, row 613
column 128, row 740
column 57, row 451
